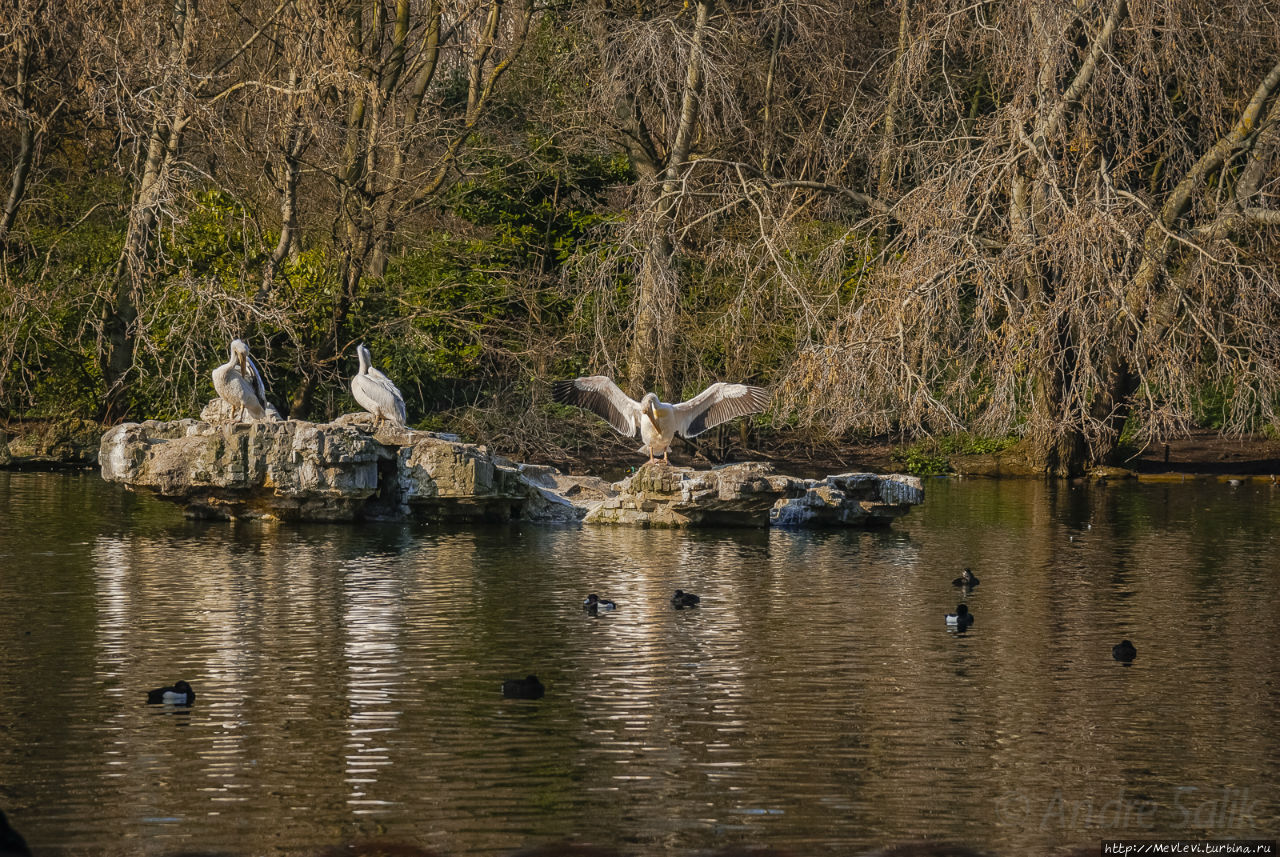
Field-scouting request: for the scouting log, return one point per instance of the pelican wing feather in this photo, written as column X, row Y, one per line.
column 380, row 398
column 375, row 392
column 600, row 395
column 718, row 403
column 240, row 384
column 256, row 379
column 395, row 399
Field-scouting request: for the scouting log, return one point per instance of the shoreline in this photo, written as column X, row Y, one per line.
column 1203, row 454
column 43, row 445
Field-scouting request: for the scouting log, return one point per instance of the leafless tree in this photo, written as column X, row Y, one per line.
column 406, row 89
column 37, row 83
column 1025, row 217
column 1074, row 240
column 721, row 110
column 155, row 71
column 346, row 108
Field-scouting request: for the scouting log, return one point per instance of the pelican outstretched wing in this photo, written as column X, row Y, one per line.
column 717, row 404
column 598, row 394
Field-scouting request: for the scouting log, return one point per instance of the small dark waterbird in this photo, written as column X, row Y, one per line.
column 11, row 842
column 595, row 602
column 684, row 599
column 967, row 579
column 1124, row 651
column 523, row 688
column 178, row 693
column 962, row 618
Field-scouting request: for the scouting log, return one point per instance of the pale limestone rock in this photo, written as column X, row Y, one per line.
column 753, row 495
column 297, row 470
column 849, row 499
column 220, row 411
column 345, row 471
column 558, row 497
column 742, row 495
column 287, row 470
column 389, row 432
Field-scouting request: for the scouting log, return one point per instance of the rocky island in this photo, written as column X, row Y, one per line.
column 348, row 471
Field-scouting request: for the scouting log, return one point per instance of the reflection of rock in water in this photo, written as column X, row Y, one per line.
column 373, row 622
column 345, row 471
column 569, row 849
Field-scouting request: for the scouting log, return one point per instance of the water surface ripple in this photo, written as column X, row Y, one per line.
column 348, row 678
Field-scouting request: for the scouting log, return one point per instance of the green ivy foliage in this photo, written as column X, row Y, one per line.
column 932, row 456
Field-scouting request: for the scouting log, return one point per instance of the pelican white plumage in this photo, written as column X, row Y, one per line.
column 239, row 384
column 658, row 422
column 375, row 392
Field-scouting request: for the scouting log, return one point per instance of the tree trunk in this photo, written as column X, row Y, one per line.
column 1058, row 445
column 649, row 360
column 288, row 184
column 120, row 314
column 26, row 145
column 649, row 366
column 884, row 171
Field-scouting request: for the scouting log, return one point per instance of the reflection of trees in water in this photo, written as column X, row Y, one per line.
column 815, row 689
column 1076, row 567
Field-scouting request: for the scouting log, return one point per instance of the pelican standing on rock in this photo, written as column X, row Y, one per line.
column 657, row 421
column 375, row 392
column 239, row 383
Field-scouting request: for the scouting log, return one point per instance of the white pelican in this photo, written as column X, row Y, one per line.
column 658, row 422
column 239, row 383
column 375, row 392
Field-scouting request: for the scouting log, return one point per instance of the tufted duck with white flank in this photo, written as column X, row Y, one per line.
column 178, row 693
column 11, row 842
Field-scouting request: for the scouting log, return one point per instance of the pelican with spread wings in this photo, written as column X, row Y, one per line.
column 239, row 383
column 658, row 422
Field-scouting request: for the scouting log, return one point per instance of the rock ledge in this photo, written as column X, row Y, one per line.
column 345, row 471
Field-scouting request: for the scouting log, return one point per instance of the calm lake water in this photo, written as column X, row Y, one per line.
column 348, row 677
